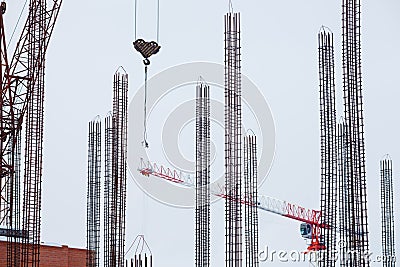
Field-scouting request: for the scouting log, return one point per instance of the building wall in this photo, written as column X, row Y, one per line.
column 52, row 256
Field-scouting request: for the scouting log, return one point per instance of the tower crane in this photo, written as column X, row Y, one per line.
column 310, row 219
column 22, row 92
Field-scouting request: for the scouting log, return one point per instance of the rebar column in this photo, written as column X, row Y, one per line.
column 328, row 147
column 34, row 137
column 139, row 261
column 107, row 188
column 117, row 198
column 93, row 194
column 387, row 205
column 358, row 225
column 251, row 201
column 233, row 138
column 202, row 230
column 344, row 204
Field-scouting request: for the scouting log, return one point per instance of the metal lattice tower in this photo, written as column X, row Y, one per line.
column 387, row 204
column 93, row 194
column 233, row 138
column 355, row 159
column 107, row 188
column 251, row 201
column 202, row 246
column 10, row 158
column 328, row 146
column 116, row 195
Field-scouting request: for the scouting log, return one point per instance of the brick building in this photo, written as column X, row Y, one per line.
column 52, row 256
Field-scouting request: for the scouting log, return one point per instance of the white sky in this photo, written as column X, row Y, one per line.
column 279, row 40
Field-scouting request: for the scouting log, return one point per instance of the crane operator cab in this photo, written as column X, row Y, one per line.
column 306, row 230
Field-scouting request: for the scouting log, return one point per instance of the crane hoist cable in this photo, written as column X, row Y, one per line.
column 146, row 49
column 17, row 23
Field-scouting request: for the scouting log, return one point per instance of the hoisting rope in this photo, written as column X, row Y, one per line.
column 16, row 25
column 146, row 49
column 158, row 20
column 145, row 143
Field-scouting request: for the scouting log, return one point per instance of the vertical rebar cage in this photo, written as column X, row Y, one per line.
column 387, row 206
column 251, row 201
column 328, row 147
column 107, row 187
column 93, row 194
column 116, row 170
column 344, row 203
column 34, row 138
column 140, row 261
column 357, row 227
column 233, row 139
column 202, row 216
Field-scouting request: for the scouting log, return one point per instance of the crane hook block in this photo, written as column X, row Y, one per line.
column 3, row 7
column 146, row 49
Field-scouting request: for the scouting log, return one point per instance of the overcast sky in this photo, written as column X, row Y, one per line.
column 279, row 40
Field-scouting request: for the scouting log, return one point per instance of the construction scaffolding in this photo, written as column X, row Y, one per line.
column 357, row 227
column 233, row 142
column 93, row 194
column 328, row 149
column 387, row 205
column 115, row 181
column 251, row 200
column 202, row 246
